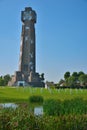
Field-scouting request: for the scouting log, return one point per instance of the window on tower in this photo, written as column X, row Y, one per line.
column 31, row 55
column 27, row 27
column 32, row 41
column 31, row 63
column 31, row 67
column 26, row 38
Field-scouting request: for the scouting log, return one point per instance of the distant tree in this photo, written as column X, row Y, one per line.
column 42, row 76
column 67, row 75
column 7, row 78
column 80, row 73
column 1, row 81
column 4, row 80
column 83, row 79
column 71, row 81
column 77, row 79
column 75, row 74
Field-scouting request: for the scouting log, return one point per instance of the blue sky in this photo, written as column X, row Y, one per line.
column 61, row 36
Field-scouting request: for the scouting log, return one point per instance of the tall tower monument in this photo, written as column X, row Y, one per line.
column 27, row 51
column 27, row 63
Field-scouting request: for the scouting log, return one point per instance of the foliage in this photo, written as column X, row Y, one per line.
column 52, row 107
column 36, row 99
column 4, row 80
column 1, row 81
column 58, row 108
column 83, row 79
column 7, row 78
column 67, row 75
column 80, row 73
column 71, row 116
column 75, row 74
column 71, row 81
column 42, row 76
column 76, row 80
column 21, row 119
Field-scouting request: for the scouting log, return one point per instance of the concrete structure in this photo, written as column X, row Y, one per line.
column 27, row 68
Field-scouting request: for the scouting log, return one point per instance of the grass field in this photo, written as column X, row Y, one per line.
column 62, row 114
column 20, row 94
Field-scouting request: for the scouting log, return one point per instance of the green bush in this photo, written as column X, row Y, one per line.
column 36, row 99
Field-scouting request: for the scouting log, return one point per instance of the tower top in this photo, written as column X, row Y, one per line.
column 28, row 8
column 28, row 15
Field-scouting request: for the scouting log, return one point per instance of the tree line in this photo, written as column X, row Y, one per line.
column 4, row 80
column 74, row 80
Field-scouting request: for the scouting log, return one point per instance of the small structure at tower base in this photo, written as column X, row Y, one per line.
column 27, row 75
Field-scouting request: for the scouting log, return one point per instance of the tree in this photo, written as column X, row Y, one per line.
column 77, row 79
column 42, row 76
column 67, row 75
column 4, row 80
column 1, row 81
column 75, row 74
column 71, row 81
column 83, row 80
column 7, row 78
column 80, row 73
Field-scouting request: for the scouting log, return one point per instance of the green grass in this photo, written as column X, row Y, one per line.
column 19, row 94
column 22, row 119
column 74, row 106
column 71, row 116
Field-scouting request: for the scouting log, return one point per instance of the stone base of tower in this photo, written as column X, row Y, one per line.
column 37, row 84
column 34, row 80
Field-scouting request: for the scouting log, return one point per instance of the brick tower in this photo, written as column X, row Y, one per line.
column 27, row 68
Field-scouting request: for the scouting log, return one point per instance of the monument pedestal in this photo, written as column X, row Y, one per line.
column 34, row 80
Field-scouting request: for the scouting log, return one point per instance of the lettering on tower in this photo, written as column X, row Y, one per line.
column 27, row 74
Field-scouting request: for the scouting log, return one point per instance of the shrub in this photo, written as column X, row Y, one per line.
column 36, row 99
